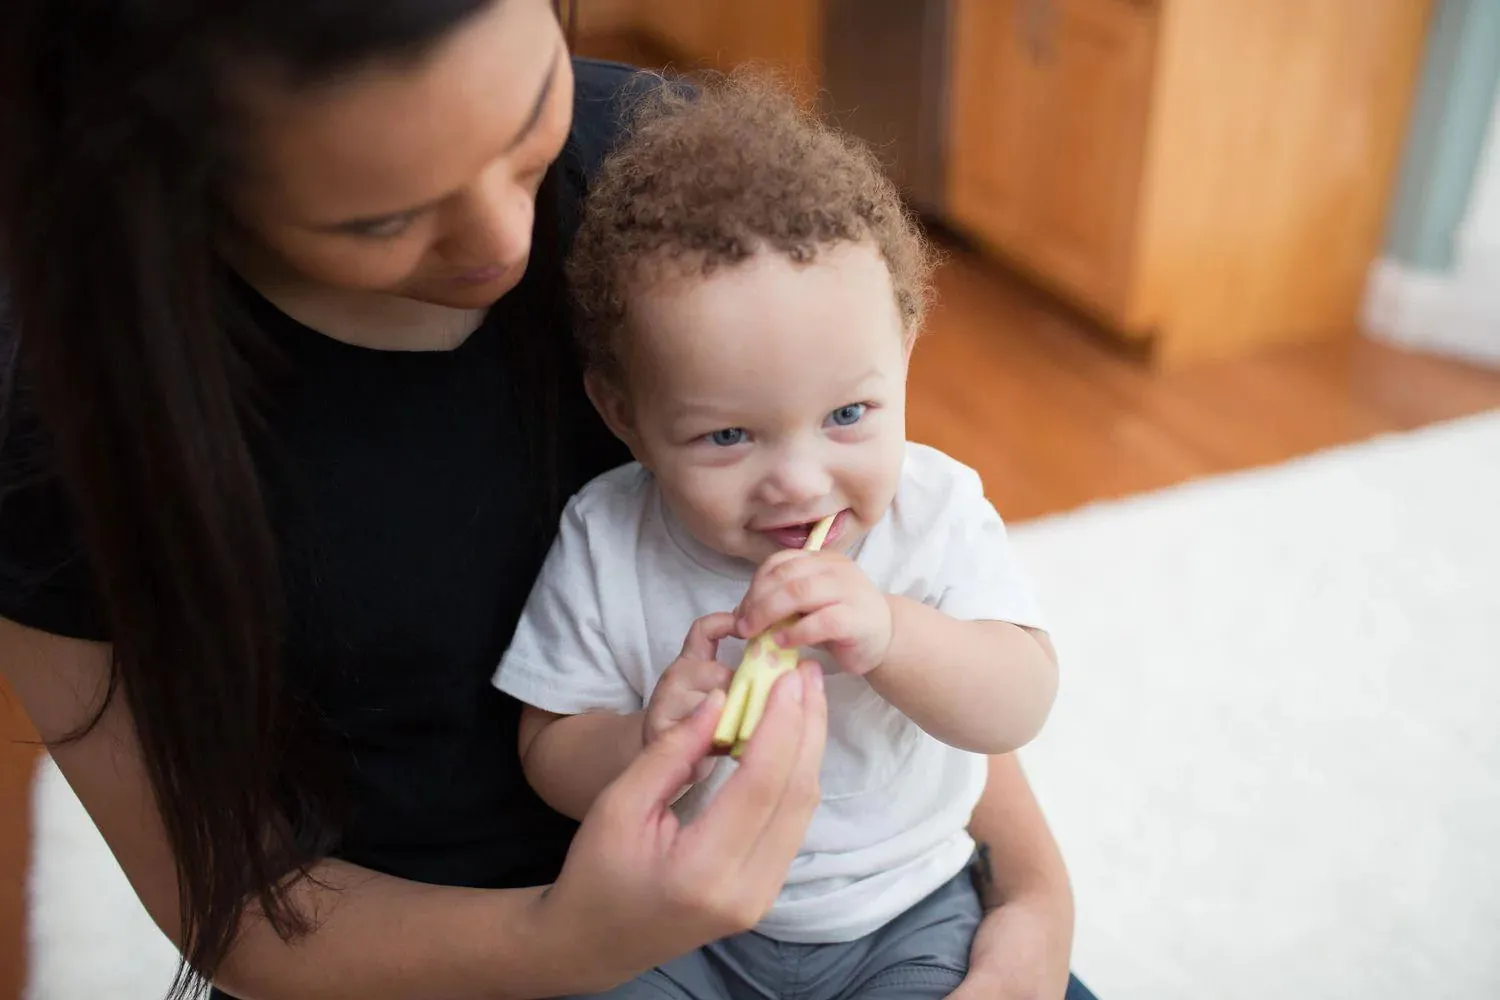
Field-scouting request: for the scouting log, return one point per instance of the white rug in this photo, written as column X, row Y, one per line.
column 1274, row 766
column 90, row 938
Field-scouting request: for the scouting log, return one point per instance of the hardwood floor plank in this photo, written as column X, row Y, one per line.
column 18, row 756
column 1054, row 416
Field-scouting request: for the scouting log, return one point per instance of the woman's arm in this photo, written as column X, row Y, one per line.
column 1024, row 945
column 376, row 935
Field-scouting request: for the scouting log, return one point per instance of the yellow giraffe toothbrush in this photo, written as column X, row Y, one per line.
column 762, row 662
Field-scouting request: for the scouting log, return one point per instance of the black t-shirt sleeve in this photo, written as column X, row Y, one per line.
column 45, row 582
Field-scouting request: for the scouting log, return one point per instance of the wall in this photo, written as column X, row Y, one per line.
column 1477, row 243
column 1460, row 72
column 1438, row 286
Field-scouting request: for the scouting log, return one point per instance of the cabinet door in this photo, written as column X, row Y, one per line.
column 721, row 34
column 782, row 34
column 1049, row 111
column 692, row 29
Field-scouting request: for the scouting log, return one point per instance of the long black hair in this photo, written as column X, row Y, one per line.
column 117, row 133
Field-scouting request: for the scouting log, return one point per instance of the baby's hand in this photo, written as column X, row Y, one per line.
column 690, row 679
column 844, row 612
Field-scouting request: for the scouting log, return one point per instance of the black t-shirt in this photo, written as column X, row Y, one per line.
column 401, row 502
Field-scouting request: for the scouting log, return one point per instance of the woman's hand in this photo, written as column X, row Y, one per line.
column 639, row 889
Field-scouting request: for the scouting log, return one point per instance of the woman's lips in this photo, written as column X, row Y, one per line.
column 481, row 275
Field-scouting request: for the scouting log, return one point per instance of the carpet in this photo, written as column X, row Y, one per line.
column 1274, row 763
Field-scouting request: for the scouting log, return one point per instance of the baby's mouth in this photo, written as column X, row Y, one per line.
column 794, row 536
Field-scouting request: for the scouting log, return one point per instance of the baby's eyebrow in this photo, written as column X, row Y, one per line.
column 687, row 408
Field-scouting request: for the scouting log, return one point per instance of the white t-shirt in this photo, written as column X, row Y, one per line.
column 624, row 581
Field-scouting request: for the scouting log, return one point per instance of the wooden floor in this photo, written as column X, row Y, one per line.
column 16, row 761
column 1052, row 416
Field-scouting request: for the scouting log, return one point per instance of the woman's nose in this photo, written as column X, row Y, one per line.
column 492, row 225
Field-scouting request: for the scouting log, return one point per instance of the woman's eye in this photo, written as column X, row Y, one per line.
column 846, row 415
column 728, row 438
column 380, row 228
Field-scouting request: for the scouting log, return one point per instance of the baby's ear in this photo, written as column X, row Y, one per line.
column 909, row 343
column 613, row 404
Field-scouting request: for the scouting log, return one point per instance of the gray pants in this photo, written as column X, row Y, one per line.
column 922, row 954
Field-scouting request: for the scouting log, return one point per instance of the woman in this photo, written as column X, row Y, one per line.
column 290, row 415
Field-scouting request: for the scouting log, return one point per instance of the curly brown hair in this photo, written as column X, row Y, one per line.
column 706, row 178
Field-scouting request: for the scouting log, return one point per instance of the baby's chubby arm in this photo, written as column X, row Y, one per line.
column 982, row 686
column 570, row 759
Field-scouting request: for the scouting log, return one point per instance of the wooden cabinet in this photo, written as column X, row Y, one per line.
column 1208, row 175
column 694, row 30
column 1049, row 109
column 721, row 34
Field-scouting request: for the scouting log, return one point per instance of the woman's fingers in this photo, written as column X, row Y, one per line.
column 720, row 873
column 756, row 822
column 787, row 829
column 651, row 781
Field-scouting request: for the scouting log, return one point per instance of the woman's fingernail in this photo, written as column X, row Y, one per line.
column 794, row 683
column 817, row 679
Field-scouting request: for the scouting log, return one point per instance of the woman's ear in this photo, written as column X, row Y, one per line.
column 613, row 404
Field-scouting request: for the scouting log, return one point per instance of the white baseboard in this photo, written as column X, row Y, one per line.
column 1454, row 314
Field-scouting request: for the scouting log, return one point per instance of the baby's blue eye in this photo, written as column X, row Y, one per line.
column 846, row 415
column 728, row 437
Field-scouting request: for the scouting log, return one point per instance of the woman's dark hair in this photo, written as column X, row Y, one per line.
column 117, row 135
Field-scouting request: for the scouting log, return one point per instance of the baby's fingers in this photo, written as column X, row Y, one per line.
column 801, row 594
column 701, row 675
column 834, row 623
column 702, row 642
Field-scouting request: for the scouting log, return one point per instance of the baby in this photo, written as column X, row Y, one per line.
column 750, row 289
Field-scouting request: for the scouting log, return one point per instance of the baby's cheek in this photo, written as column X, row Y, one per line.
column 715, row 499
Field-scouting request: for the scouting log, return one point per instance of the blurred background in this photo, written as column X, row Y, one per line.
column 1219, row 325
column 1185, row 236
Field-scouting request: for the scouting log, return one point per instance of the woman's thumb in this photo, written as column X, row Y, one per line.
column 656, row 776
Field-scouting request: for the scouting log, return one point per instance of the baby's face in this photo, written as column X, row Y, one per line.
column 769, row 395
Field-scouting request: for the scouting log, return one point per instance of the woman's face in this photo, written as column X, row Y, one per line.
column 413, row 179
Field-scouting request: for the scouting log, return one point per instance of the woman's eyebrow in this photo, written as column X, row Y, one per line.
column 527, row 127
column 537, row 106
